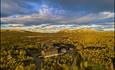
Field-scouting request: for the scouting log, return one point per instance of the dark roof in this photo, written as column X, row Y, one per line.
column 62, row 45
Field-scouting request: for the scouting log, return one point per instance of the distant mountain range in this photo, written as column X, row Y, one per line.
column 59, row 31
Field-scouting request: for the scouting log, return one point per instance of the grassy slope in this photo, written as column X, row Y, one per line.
column 80, row 38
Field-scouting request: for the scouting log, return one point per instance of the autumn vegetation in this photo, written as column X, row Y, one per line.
column 93, row 50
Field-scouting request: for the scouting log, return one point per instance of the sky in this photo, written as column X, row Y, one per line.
column 54, row 15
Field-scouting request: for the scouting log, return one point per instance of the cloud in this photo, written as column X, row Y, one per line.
column 55, row 28
column 57, row 14
column 37, row 19
column 45, row 23
column 30, row 15
column 91, row 18
column 12, row 26
column 95, row 17
column 13, row 7
column 22, row 7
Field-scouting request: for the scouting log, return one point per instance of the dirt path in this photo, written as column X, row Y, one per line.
column 37, row 60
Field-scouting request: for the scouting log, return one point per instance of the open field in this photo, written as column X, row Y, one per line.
column 66, row 50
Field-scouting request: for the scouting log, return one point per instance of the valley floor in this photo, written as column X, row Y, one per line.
column 64, row 50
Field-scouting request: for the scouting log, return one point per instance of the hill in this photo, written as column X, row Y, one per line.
column 94, row 50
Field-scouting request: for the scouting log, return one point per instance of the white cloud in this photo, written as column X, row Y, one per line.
column 93, row 17
column 36, row 18
column 109, row 29
column 12, row 25
column 58, row 22
column 107, row 14
column 55, row 28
